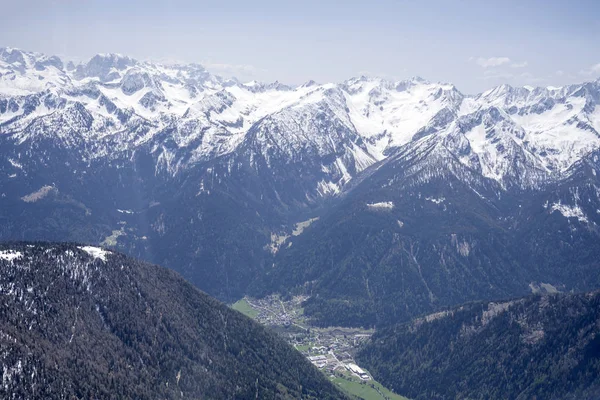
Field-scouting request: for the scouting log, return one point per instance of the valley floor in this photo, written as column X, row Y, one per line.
column 331, row 349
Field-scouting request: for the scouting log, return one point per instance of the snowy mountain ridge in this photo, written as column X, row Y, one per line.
column 468, row 197
column 113, row 105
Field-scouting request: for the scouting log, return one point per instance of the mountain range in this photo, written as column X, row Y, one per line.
column 380, row 200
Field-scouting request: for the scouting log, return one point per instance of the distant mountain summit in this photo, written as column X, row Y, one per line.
column 84, row 322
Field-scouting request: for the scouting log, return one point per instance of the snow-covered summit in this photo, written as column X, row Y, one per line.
column 185, row 114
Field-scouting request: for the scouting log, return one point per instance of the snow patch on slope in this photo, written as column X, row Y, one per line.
column 569, row 211
column 95, row 252
column 10, row 255
column 382, row 206
column 436, row 200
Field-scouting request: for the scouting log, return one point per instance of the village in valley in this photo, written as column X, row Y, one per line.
column 331, row 349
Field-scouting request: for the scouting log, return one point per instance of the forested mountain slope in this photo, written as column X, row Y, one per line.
column 422, row 232
column 544, row 347
column 83, row 322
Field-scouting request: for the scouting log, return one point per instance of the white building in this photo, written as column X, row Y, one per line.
column 358, row 371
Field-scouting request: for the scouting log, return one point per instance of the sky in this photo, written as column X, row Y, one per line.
column 473, row 44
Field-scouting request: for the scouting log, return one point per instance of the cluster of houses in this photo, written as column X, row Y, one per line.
column 329, row 350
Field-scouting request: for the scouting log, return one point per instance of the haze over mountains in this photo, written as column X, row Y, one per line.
column 426, row 197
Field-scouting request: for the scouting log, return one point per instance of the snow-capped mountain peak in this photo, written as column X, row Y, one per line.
column 202, row 116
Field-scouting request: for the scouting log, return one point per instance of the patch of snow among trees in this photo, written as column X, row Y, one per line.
column 384, row 205
column 15, row 164
column 10, row 255
column 95, row 252
column 570, row 211
column 438, row 200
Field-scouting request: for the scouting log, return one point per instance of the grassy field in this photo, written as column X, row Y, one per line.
column 304, row 347
column 365, row 391
column 243, row 307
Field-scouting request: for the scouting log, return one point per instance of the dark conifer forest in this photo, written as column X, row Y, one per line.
column 83, row 323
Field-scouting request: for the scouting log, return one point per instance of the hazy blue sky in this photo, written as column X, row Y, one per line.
column 473, row 44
